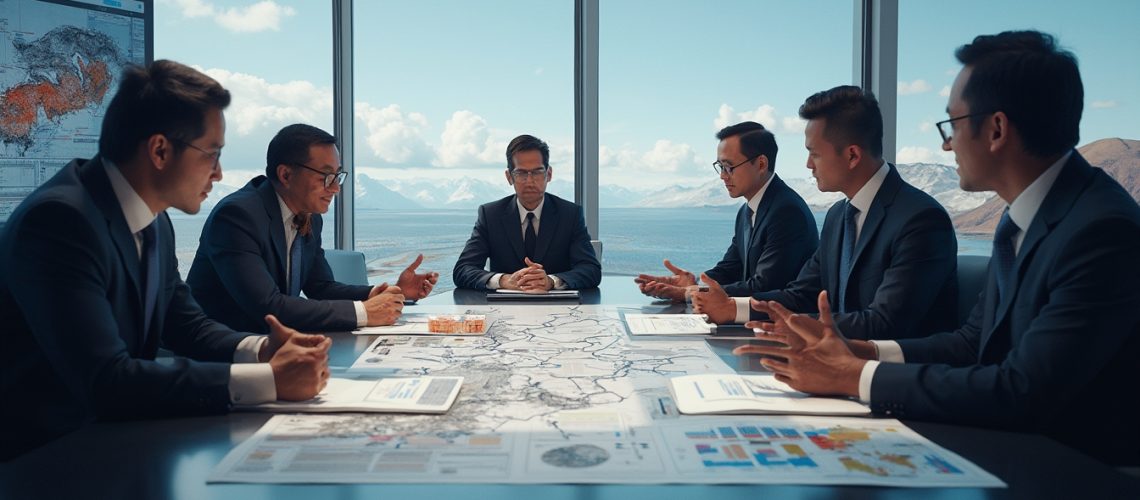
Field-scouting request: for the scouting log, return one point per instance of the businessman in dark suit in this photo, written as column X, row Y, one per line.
column 261, row 247
column 887, row 252
column 535, row 241
column 775, row 231
column 1052, row 344
column 89, row 285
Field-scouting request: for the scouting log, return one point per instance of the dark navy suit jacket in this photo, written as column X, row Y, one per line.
column 71, row 306
column 1057, row 355
column 783, row 239
column 563, row 245
column 239, row 273
column 904, row 273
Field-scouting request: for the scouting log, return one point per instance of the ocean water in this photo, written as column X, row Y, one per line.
column 635, row 240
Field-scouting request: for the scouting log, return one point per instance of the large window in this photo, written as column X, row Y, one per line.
column 275, row 59
column 440, row 88
column 673, row 73
column 1101, row 33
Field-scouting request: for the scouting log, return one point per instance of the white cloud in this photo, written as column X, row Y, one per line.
column 952, row 72
column 916, row 87
column 945, row 92
column 665, row 157
column 925, row 126
column 258, row 104
column 261, row 16
column 1104, row 104
column 538, row 71
column 392, row 135
column 467, row 141
column 765, row 115
column 919, row 154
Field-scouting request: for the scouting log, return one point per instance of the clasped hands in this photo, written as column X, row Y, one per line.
column 675, row 287
column 300, row 361
column 530, row 279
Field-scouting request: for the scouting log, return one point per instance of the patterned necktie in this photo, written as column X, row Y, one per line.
column 149, row 263
column 303, row 223
column 847, row 253
column 529, row 238
column 1003, row 252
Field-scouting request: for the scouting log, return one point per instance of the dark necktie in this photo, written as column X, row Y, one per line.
column 1003, row 252
column 747, row 243
column 149, row 264
column 302, row 223
column 529, row 238
column 847, row 253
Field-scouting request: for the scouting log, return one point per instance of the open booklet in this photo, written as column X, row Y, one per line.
column 753, row 394
column 668, row 324
column 386, row 395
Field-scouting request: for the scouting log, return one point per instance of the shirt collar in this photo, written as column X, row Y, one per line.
column 754, row 202
column 537, row 210
column 866, row 194
column 1024, row 207
column 136, row 212
column 286, row 214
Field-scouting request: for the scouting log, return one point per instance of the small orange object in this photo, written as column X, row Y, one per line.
column 457, row 324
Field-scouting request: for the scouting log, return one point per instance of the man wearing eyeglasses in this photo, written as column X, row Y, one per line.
column 1052, row 344
column 775, row 231
column 534, row 241
column 261, row 247
column 89, row 284
column 887, row 252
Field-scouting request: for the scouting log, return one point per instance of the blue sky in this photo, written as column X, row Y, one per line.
column 441, row 86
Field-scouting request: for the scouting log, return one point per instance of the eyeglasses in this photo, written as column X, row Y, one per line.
column 720, row 166
column 946, row 129
column 522, row 175
column 216, row 155
column 329, row 178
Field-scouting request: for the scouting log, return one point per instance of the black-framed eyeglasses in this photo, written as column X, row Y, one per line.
column 522, row 175
column 720, row 166
column 329, row 178
column 946, row 129
column 216, row 155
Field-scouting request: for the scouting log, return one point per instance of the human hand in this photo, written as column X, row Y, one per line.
column 715, row 302
column 815, row 358
column 384, row 306
column 670, row 287
column 300, row 363
column 416, row 286
column 514, row 280
column 535, row 280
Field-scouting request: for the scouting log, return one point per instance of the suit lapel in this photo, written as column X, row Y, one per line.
column 880, row 206
column 775, row 188
column 1057, row 203
column 833, row 227
column 511, row 221
column 547, row 228
column 276, row 228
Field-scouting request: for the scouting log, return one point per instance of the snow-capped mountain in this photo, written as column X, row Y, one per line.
column 374, row 194
column 941, row 182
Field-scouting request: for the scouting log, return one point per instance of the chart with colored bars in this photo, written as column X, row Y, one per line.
column 818, row 450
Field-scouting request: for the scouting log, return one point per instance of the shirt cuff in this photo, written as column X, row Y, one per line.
column 743, row 309
column 361, row 314
column 249, row 348
column 493, row 283
column 865, row 380
column 889, row 351
column 558, row 283
column 252, row 383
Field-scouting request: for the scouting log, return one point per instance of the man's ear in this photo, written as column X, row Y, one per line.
column 159, row 150
column 853, row 154
column 284, row 174
column 999, row 133
column 510, row 180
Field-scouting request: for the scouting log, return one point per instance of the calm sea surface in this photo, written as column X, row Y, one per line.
column 635, row 239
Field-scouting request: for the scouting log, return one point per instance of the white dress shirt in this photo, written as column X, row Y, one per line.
column 250, row 382
column 1023, row 210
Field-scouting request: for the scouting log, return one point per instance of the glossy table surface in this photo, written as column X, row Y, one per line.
column 171, row 458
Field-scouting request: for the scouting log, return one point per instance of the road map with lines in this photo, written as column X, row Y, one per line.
column 560, row 394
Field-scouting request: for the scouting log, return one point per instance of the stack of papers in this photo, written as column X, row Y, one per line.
column 387, row 395
column 753, row 394
column 668, row 324
column 503, row 294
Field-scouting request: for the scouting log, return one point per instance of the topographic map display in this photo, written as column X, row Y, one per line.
column 59, row 66
column 560, row 394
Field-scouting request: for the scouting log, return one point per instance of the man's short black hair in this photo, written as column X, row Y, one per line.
column 1025, row 75
column 527, row 143
column 755, row 140
column 851, row 116
column 164, row 97
column 291, row 147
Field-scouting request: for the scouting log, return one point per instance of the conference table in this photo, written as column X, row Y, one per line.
column 171, row 458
